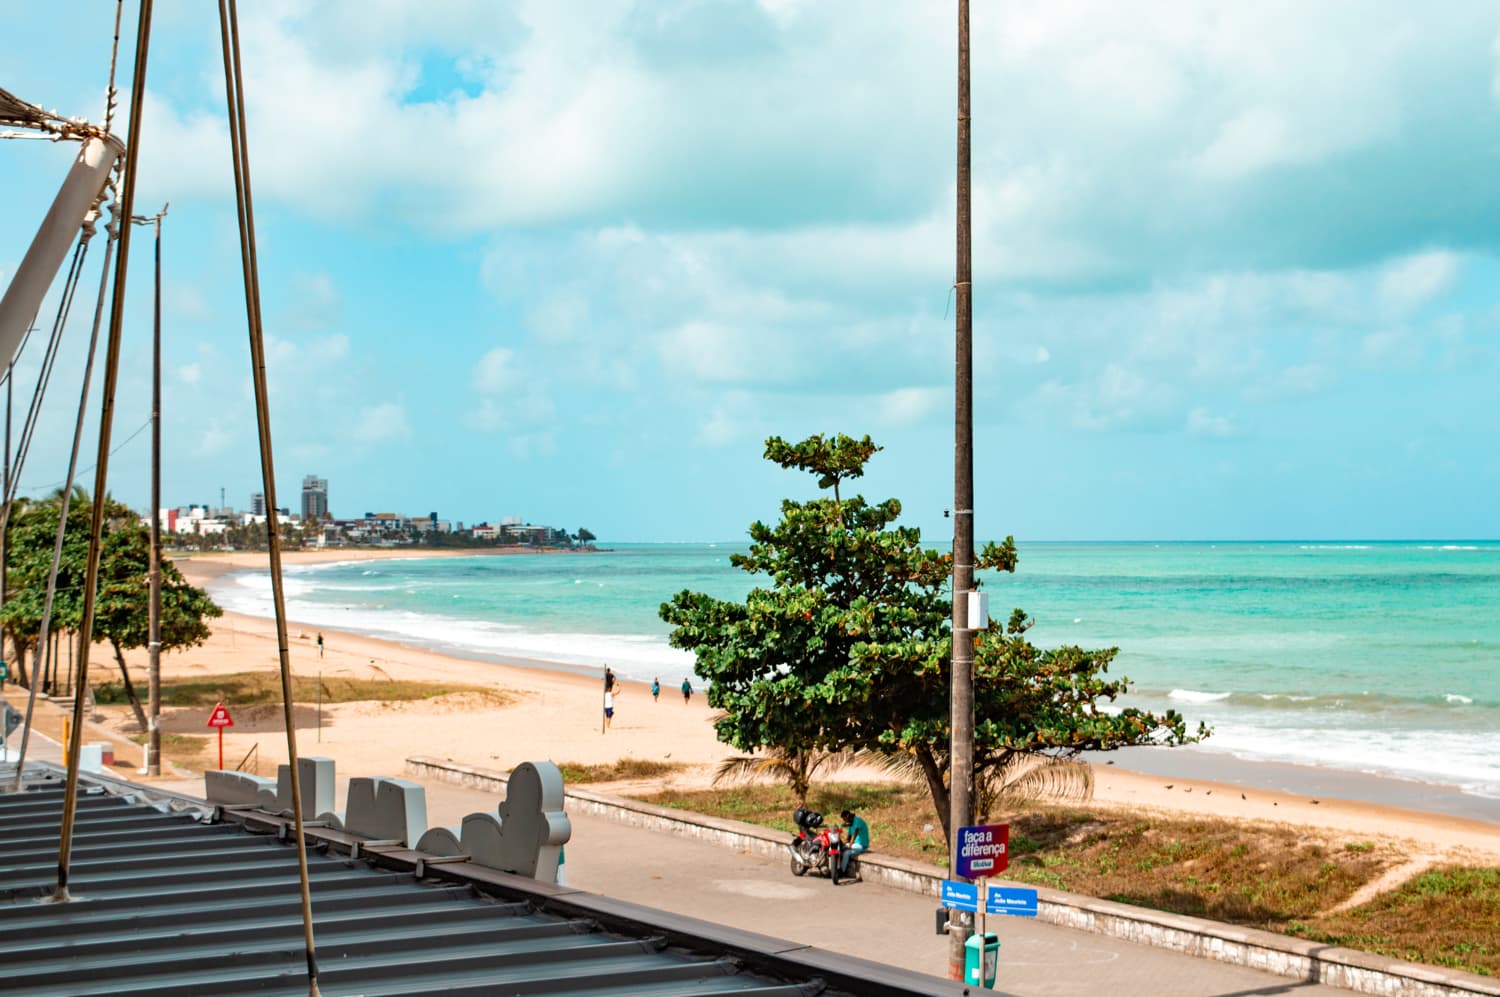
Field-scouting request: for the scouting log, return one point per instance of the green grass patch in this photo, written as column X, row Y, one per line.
column 257, row 688
column 1273, row 877
column 625, row 768
column 1448, row 916
column 184, row 743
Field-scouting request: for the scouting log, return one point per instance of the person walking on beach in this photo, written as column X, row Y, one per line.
column 609, row 680
column 687, row 690
column 655, row 690
column 609, row 708
column 320, row 643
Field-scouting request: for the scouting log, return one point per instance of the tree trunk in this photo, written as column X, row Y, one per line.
column 135, row 703
column 937, row 788
column 20, row 650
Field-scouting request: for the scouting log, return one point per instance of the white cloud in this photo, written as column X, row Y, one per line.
column 189, row 373
column 908, row 406
column 381, row 423
column 1202, row 422
column 512, row 400
column 314, row 301
column 1391, row 347
column 495, row 371
column 213, row 439
column 1253, row 140
column 1409, row 283
column 1495, row 80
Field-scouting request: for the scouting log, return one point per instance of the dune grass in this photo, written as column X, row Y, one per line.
column 257, row 688
column 577, row 773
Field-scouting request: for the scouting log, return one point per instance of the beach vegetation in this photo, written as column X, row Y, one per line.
column 627, row 768
column 242, row 689
column 1447, row 916
column 795, row 768
column 846, row 647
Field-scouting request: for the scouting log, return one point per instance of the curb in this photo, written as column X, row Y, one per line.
column 1281, row 955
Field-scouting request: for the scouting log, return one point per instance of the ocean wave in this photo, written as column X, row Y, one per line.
column 1333, row 546
column 639, row 657
column 1194, row 696
column 1466, row 761
column 1357, row 703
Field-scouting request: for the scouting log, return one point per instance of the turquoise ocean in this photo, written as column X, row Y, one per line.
column 1370, row 657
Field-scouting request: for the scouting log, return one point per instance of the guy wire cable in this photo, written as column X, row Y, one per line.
column 112, row 231
column 110, row 194
column 44, row 375
column 235, row 91
column 101, row 471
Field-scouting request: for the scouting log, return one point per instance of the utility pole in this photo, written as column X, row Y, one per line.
column 961, row 751
column 153, row 709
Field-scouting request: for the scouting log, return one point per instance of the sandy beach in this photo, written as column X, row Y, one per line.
column 556, row 713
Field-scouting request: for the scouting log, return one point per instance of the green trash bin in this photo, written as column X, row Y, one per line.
column 981, row 950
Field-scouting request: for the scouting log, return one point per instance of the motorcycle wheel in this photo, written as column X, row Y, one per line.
column 833, row 869
column 799, row 865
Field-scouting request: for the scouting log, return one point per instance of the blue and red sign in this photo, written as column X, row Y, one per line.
column 982, row 850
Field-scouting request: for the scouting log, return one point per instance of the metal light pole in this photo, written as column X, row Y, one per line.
column 153, row 714
column 961, row 751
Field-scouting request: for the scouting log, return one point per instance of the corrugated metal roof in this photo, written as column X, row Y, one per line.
column 172, row 903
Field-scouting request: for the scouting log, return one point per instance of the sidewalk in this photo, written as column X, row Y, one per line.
column 872, row 922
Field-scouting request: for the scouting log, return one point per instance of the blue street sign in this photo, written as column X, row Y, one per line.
column 960, row 896
column 1015, row 900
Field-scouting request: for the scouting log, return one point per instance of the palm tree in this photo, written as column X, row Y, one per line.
column 793, row 766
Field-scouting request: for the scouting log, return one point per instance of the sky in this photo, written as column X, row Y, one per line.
column 1236, row 265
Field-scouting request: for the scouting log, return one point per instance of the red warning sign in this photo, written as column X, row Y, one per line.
column 220, row 717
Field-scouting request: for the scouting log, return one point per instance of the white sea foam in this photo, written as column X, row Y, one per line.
column 1194, row 696
column 1333, row 547
column 1454, row 697
column 1439, row 757
column 638, row 657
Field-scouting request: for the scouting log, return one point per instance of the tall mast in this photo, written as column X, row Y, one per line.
column 153, row 715
column 961, row 756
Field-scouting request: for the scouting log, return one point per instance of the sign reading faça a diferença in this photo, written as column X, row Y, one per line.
column 982, row 850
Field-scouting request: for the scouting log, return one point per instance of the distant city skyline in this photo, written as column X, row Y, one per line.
column 1235, row 263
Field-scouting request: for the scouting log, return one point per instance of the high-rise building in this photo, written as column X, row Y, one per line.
column 314, row 497
column 258, row 504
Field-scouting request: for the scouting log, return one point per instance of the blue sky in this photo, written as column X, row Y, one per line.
column 1235, row 264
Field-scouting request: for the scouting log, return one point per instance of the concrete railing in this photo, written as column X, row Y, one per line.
column 1294, row 958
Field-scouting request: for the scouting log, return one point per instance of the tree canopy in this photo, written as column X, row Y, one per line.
column 849, row 646
column 121, row 608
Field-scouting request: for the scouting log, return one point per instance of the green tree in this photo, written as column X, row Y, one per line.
column 121, row 610
column 849, row 646
column 33, row 534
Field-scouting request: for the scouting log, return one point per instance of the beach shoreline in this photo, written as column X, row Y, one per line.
column 557, row 714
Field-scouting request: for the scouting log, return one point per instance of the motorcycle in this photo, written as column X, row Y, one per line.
column 819, row 849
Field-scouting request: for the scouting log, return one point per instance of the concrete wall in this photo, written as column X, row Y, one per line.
column 1294, row 958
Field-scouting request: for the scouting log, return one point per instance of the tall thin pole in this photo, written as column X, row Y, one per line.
column 961, row 757
column 153, row 713
column 229, row 33
column 101, row 467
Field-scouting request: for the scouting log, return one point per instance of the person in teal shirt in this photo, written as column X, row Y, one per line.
column 858, row 838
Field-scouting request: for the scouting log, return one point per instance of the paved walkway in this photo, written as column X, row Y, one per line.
column 860, row 919
column 744, row 891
